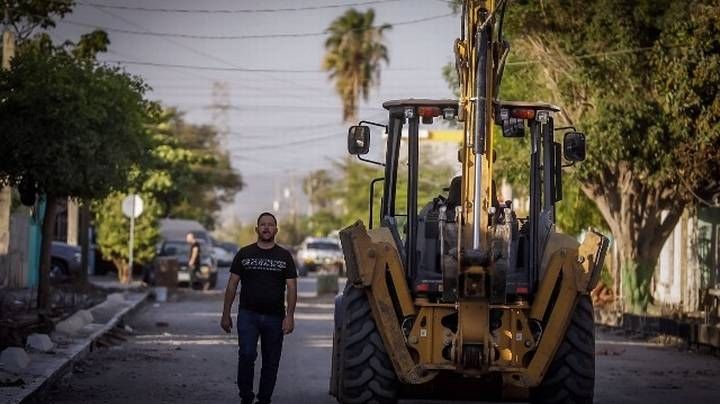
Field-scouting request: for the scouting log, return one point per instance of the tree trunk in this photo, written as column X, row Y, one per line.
column 43, row 299
column 5, row 201
column 123, row 270
column 73, row 216
column 636, row 271
column 84, row 242
column 641, row 216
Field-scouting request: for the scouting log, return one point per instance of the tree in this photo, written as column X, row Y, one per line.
column 113, row 230
column 24, row 16
column 354, row 51
column 641, row 78
column 178, row 177
column 68, row 128
column 194, row 176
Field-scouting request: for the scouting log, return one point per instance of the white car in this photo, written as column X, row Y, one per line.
column 319, row 252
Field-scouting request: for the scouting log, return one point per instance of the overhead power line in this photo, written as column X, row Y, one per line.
column 235, row 11
column 191, row 49
column 236, row 37
column 233, row 69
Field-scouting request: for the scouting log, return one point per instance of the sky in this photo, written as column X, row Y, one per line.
column 262, row 60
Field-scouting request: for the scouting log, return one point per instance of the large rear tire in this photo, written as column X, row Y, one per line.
column 571, row 376
column 367, row 375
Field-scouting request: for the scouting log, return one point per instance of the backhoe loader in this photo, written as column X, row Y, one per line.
column 459, row 297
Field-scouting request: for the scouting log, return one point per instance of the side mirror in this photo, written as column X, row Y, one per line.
column 359, row 140
column 574, row 146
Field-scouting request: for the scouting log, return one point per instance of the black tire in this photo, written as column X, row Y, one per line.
column 571, row 376
column 367, row 374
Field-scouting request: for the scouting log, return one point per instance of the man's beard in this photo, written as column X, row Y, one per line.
column 267, row 237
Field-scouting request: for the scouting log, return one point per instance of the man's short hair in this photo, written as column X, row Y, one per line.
column 266, row 214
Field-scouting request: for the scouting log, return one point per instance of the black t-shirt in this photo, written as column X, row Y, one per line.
column 263, row 275
column 196, row 264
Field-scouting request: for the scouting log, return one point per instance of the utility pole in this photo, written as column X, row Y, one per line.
column 8, row 51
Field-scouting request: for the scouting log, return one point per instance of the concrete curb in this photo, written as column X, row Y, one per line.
column 33, row 391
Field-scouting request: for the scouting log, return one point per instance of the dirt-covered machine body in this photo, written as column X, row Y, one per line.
column 458, row 297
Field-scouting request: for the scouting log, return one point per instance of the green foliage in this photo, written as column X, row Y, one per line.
column 642, row 79
column 190, row 175
column 576, row 213
column 74, row 128
column 27, row 15
column 113, row 229
column 354, row 51
column 182, row 176
column 653, row 105
column 69, row 127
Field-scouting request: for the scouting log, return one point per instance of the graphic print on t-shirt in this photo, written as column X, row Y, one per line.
column 263, row 275
column 263, row 264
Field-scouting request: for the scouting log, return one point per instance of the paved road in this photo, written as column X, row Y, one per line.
column 178, row 354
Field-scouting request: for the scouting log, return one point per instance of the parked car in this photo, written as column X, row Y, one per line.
column 177, row 229
column 65, row 261
column 206, row 277
column 317, row 252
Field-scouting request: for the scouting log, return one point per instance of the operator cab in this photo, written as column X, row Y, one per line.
column 425, row 225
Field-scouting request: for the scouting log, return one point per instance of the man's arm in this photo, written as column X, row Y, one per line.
column 230, row 291
column 289, row 321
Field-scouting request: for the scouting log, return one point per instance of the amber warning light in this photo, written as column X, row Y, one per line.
column 522, row 113
column 428, row 113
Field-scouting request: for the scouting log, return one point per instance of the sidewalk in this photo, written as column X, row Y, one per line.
column 47, row 367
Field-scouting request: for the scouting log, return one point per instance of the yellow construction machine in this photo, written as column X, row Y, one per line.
column 458, row 297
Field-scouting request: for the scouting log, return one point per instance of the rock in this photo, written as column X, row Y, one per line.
column 39, row 342
column 74, row 323
column 14, row 358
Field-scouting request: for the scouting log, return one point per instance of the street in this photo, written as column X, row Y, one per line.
column 178, row 354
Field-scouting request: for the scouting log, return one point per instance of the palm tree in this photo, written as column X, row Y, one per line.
column 354, row 53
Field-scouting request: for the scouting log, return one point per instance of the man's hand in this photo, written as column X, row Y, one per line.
column 226, row 323
column 288, row 325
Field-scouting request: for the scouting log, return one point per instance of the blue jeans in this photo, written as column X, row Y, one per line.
column 250, row 327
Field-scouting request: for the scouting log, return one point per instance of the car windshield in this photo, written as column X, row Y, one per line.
column 323, row 246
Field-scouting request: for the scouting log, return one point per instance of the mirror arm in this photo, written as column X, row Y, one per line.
column 370, row 161
column 374, row 124
column 566, row 127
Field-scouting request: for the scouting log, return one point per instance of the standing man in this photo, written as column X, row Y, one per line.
column 194, row 258
column 264, row 270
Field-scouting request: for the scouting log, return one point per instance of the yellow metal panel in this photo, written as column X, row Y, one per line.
column 382, row 236
column 561, row 313
column 454, row 136
column 429, row 337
